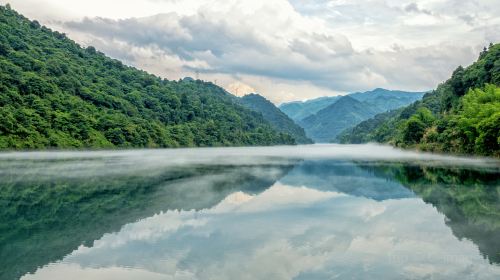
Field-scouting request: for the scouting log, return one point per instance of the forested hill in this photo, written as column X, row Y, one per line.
column 279, row 120
column 346, row 112
column 461, row 116
column 53, row 93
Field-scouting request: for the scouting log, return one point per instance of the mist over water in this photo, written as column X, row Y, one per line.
column 96, row 163
column 287, row 212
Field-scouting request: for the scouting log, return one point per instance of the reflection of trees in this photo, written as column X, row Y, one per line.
column 345, row 177
column 41, row 221
column 470, row 200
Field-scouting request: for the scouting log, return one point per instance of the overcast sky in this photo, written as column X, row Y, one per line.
column 284, row 50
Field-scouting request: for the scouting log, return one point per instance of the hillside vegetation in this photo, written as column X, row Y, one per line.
column 461, row 116
column 53, row 93
column 279, row 120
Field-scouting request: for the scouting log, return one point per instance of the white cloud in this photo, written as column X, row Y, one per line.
column 284, row 50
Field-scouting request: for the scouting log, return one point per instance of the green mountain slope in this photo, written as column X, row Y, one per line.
column 461, row 116
column 53, row 93
column 279, row 120
column 365, row 131
column 328, row 123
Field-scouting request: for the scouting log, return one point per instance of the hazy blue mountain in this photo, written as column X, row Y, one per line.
column 279, row 120
column 383, row 99
column 299, row 110
column 347, row 112
column 379, row 100
column 387, row 100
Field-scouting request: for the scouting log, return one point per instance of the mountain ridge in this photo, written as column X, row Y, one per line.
column 299, row 110
column 279, row 120
column 56, row 94
column 323, row 126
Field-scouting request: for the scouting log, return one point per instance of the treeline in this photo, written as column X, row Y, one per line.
column 461, row 116
column 54, row 93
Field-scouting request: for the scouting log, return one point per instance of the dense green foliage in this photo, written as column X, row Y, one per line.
column 473, row 128
column 279, row 120
column 366, row 131
column 53, row 93
column 461, row 116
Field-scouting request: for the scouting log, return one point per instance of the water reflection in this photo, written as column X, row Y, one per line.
column 347, row 177
column 469, row 198
column 45, row 217
column 285, row 233
column 248, row 217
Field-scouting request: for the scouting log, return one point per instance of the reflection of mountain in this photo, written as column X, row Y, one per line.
column 43, row 220
column 345, row 177
column 469, row 199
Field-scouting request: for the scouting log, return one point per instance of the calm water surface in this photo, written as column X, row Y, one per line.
column 305, row 212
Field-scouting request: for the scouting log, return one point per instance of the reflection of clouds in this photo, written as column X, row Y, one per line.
column 370, row 211
column 149, row 229
column 272, row 198
column 62, row 270
column 284, row 233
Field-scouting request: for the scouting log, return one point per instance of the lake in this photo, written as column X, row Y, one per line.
column 290, row 212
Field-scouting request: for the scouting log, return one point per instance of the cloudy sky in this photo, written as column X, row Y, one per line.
column 285, row 50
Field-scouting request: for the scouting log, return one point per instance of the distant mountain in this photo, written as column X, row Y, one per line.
column 279, row 120
column 299, row 110
column 387, row 100
column 462, row 115
column 346, row 112
column 306, row 113
column 383, row 99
